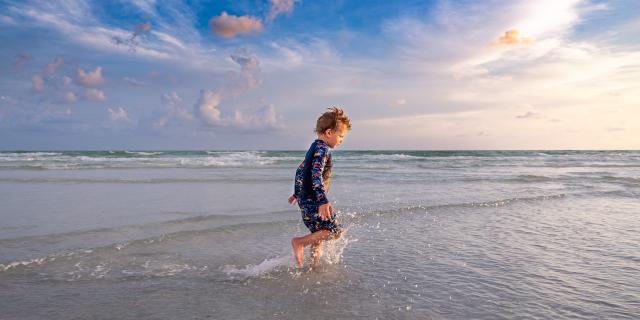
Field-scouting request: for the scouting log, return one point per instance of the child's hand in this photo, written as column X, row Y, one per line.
column 293, row 199
column 325, row 211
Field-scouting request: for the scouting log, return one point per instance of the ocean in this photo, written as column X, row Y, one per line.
column 430, row 235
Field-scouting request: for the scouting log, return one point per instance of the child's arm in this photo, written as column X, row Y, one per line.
column 297, row 184
column 317, row 167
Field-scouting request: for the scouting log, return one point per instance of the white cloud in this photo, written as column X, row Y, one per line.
column 278, row 7
column 207, row 107
column 174, row 111
column 91, row 79
column 80, row 27
column 37, row 82
column 399, row 102
column 133, row 81
column 170, row 40
column 70, row 97
column 264, row 118
column 249, row 76
column 95, row 95
column 146, row 6
column 292, row 57
column 547, row 18
column 118, row 115
column 52, row 67
column 229, row 26
column 132, row 42
column 7, row 20
column 22, row 59
column 260, row 119
column 174, row 36
column 529, row 115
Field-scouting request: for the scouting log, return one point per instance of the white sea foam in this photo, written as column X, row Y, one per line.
column 260, row 269
column 138, row 159
column 26, row 263
column 383, row 157
column 142, row 153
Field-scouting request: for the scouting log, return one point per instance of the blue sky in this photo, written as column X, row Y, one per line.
column 145, row 74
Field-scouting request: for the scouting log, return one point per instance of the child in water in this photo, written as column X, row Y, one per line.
column 312, row 181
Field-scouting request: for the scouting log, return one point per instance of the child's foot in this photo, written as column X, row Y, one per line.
column 298, row 251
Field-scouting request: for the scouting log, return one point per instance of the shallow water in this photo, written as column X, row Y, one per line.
column 431, row 235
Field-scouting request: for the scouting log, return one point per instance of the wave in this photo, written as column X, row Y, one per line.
column 485, row 204
column 129, row 159
column 73, row 160
column 145, row 180
column 241, row 223
column 142, row 153
column 26, row 263
column 139, row 228
column 630, row 180
column 518, row 178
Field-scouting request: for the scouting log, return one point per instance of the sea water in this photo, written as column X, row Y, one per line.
column 430, row 235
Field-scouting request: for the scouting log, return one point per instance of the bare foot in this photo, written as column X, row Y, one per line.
column 298, row 251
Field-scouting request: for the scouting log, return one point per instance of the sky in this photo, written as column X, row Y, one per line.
column 237, row 75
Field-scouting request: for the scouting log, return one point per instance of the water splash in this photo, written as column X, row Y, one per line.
column 263, row 268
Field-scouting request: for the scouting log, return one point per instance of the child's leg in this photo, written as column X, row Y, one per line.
column 299, row 243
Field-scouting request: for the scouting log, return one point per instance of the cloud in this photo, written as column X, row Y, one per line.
column 278, row 7
column 37, row 82
column 229, row 26
column 530, row 115
column 173, row 104
column 141, row 29
column 21, row 59
column 249, row 76
column 132, row 42
column 7, row 20
column 399, row 102
column 70, row 97
column 146, row 6
column 91, row 79
column 207, row 107
column 95, row 95
column 263, row 118
column 511, row 38
column 52, row 67
column 118, row 115
column 173, row 109
column 133, row 81
column 292, row 58
column 170, row 40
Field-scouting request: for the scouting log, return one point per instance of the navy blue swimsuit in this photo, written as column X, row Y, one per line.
column 312, row 182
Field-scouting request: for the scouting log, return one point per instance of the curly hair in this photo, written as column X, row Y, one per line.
column 330, row 120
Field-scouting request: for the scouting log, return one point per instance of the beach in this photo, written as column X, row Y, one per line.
column 430, row 235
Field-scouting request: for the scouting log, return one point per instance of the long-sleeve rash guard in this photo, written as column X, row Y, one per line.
column 313, row 176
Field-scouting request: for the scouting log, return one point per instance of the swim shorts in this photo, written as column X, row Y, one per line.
column 312, row 220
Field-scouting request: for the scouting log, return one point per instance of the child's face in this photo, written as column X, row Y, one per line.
column 334, row 137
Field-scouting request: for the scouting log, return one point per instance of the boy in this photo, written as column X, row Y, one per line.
column 313, row 178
